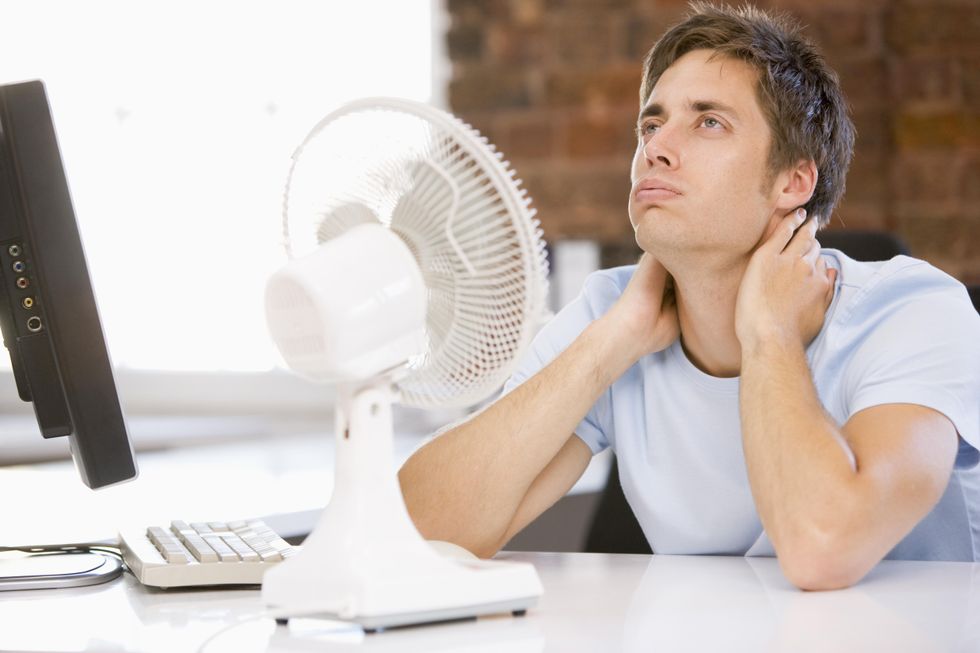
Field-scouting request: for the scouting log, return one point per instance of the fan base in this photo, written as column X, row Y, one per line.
column 373, row 623
column 366, row 563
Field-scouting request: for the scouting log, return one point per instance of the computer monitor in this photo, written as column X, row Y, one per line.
column 48, row 316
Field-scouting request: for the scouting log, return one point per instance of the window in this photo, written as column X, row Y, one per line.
column 176, row 122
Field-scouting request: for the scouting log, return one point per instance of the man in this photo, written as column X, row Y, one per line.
column 763, row 396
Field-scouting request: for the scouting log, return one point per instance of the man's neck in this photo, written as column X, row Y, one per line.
column 706, row 310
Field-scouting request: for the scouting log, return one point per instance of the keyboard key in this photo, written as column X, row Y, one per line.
column 199, row 548
column 270, row 555
column 168, row 546
column 178, row 526
column 225, row 552
column 243, row 550
column 201, row 528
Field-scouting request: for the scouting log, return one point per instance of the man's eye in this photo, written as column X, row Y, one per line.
column 647, row 128
column 711, row 123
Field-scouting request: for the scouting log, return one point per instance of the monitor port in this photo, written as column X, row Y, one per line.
column 34, row 324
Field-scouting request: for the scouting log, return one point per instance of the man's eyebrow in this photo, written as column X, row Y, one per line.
column 654, row 109
column 698, row 106
column 714, row 105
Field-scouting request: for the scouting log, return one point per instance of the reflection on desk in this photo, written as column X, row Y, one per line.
column 592, row 602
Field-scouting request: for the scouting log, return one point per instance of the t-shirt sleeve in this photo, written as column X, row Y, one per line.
column 598, row 293
column 924, row 351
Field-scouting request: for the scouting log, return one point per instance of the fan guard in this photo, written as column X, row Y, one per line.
column 440, row 186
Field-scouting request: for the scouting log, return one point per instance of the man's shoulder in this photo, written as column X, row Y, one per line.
column 873, row 290
column 603, row 287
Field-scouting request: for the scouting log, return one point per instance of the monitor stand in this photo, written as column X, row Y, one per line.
column 54, row 570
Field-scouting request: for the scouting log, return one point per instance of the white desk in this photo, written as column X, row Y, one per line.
column 272, row 475
column 592, row 602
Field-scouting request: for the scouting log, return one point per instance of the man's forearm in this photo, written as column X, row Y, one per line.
column 466, row 485
column 802, row 472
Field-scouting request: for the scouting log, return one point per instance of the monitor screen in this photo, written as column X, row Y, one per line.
column 50, row 323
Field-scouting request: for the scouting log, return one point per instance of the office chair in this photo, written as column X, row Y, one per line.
column 614, row 528
column 974, row 291
column 864, row 245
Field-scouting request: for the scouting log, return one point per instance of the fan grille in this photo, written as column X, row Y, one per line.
column 415, row 169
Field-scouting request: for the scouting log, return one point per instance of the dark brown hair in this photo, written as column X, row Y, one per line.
column 799, row 93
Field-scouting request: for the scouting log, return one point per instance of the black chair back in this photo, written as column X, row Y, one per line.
column 614, row 527
column 864, row 245
column 974, row 291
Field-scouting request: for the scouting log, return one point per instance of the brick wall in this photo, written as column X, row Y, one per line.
column 554, row 84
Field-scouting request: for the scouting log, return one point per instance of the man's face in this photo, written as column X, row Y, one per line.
column 700, row 162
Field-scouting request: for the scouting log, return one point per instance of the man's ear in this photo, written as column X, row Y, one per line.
column 795, row 186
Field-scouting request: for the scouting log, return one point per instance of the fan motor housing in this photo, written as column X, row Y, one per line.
column 352, row 309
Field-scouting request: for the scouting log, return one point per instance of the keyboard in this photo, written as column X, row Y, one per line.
column 203, row 553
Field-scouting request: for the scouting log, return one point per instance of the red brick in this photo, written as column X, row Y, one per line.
column 835, row 30
column 528, row 136
column 477, row 10
column 489, row 88
column 969, row 69
column 581, row 38
column 873, row 128
column 936, row 27
column 515, row 45
column 926, row 176
column 969, row 190
column 924, row 80
column 642, row 32
column 484, row 122
column 937, row 130
column 464, row 42
column 579, row 5
column 941, row 241
column 801, row 7
column 970, row 227
column 864, row 81
column 867, row 178
column 599, row 134
column 582, row 201
column 617, row 86
column 527, row 13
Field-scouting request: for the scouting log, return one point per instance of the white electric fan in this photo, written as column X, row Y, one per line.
column 417, row 274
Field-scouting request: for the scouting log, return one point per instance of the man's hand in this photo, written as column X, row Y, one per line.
column 646, row 313
column 787, row 287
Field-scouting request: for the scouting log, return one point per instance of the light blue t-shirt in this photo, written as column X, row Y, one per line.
column 897, row 331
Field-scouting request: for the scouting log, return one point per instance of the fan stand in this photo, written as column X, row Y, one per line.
column 365, row 562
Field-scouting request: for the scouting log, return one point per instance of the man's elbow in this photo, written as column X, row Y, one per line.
column 824, row 563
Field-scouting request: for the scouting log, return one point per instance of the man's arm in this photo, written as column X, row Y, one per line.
column 833, row 500
column 481, row 482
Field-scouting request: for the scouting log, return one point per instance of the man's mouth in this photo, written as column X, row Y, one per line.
column 655, row 194
column 656, row 190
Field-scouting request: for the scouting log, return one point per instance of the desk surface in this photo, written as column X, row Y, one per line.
column 261, row 477
column 592, row 602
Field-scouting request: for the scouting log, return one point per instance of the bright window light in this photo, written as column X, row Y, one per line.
column 176, row 122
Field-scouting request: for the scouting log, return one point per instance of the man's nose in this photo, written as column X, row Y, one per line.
column 661, row 148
